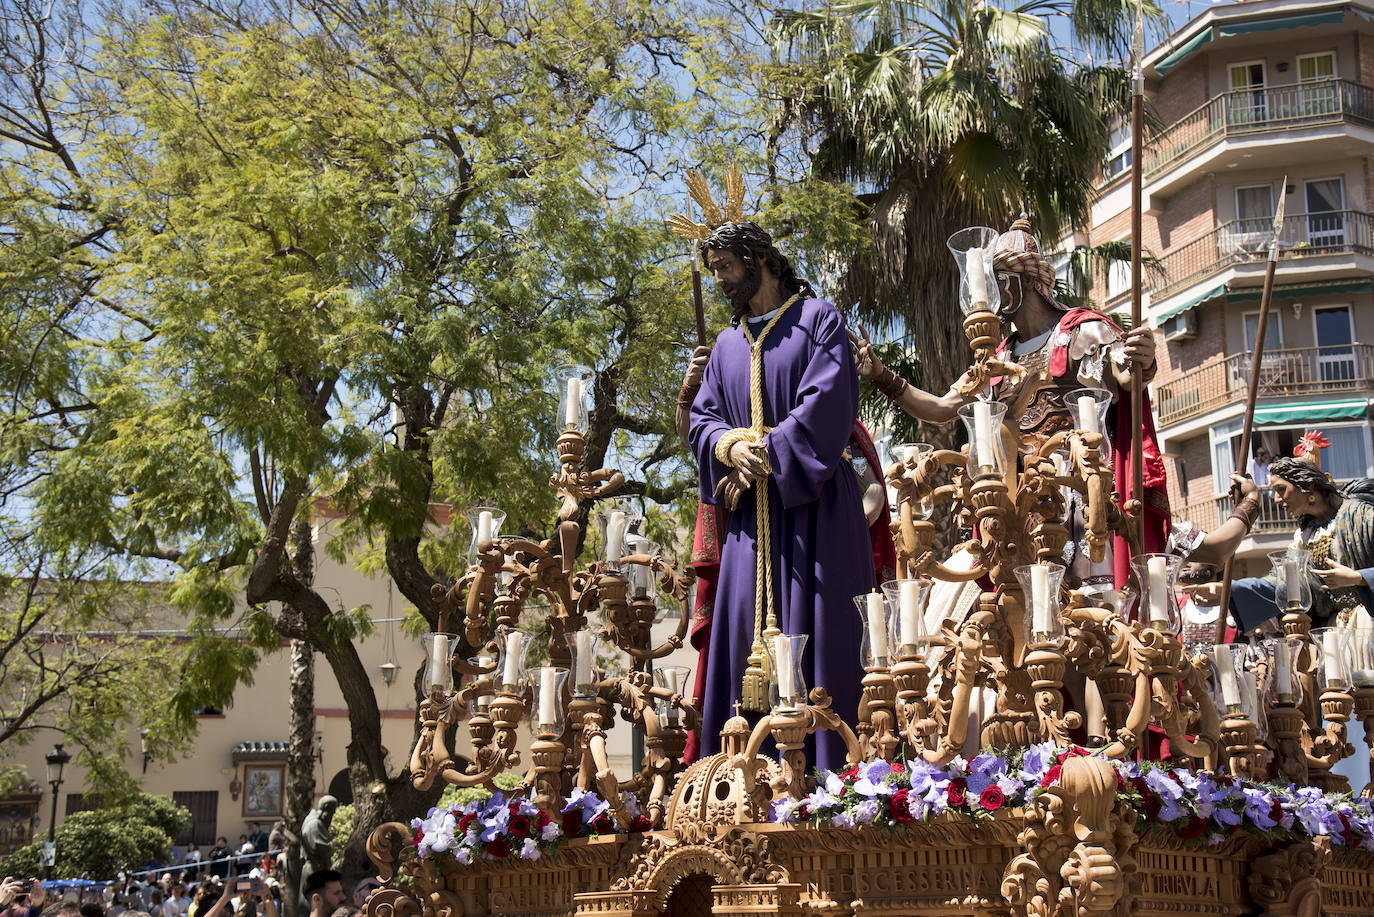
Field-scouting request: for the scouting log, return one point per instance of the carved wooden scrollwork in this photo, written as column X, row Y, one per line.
column 1078, row 841
column 1287, row 883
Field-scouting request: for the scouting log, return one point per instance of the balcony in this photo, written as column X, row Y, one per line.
column 1246, row 112
column 1210, row 513
column 1304, row 235
column 1299, row 371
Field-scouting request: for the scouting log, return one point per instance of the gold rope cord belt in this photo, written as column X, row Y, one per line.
column 754, row 689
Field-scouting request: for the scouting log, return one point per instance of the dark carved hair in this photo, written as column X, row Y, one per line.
column 1307, row 478
column 748, row 242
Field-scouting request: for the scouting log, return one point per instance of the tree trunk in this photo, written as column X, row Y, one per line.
column 300, row 760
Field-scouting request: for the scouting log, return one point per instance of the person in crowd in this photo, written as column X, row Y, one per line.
column 1259, row 467
column 93, row 909
column 323, row 892
column 257, row 837
column 176, row 904
column 219, row 866
column 244, row 851
column 21, row 898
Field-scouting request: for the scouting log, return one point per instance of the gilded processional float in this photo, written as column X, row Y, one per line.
column 1245, row 816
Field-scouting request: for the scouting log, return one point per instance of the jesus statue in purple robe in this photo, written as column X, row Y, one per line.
column 818, row 539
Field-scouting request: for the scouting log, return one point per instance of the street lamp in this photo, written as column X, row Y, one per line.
column 57, row 759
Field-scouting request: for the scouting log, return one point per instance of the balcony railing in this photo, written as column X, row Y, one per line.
column 1304, row 235
column 1208, row 514
column 1249, row 111
column 1299, row 371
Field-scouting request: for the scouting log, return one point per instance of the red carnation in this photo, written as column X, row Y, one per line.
column 955, row 793
column 1120, row 782
column 898, row 767
column 1051, row 776
column 465, row 821
column 499, row 847
column 803, row 812
column 419, row 836
column 640, row 823
column 851, row 773
column 1195, row 826
column 519, row 826
column 900, row 805
column 1276, row 810
column 1345, row 828
column 513, row 808
column 1152, row 808
column 602, row 824
column 541, row 820
column 572, row 822
column 992, row 798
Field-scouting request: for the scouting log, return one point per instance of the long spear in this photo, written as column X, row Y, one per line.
column 1251, row 392
column 1137, row 178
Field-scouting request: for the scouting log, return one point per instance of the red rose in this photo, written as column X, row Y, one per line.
column 1152, row 808
column 1193, row 827
column 602, row 824
column 1345, row 828
column 519, row 825
column 572, row 822
column 992, row 798
column 1120, row 782
column 641, row 823
column 513, row 808
column 1276, row 810
column 955, row 793
column 541, row 821
column 1141, row 788
column 1051, row 776
column 465, row 821
column 899, row 803
column 499, row 847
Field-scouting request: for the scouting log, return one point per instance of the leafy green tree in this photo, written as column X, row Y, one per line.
column 260, row 257
column 105, row 840
column 950, row 113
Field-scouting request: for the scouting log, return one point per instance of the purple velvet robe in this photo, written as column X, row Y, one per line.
column 822, row 556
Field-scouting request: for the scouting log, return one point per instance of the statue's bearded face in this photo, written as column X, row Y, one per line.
column 736, row 278
column 1009, row 285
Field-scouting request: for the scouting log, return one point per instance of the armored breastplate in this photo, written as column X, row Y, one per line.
column 1044, row 411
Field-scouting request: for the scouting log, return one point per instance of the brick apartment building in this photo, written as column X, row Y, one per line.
column 1246, row 94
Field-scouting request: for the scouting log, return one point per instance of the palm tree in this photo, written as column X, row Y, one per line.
column 949, row 113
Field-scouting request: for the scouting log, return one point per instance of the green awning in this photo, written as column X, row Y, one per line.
column 1302, row 290
column 1330, row 410
column 1191, row 303
column 1175, row 56
column 1229, row 29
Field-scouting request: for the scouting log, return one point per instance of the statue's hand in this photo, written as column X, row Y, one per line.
column 865, row 358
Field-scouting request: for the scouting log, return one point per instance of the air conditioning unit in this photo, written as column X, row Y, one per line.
column 1181, row 327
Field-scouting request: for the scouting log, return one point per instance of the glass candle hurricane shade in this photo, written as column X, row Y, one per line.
column 972, row 249
column 984, row 422
column 1040, row 587
column 573, row 384
column 1293, row 589
column 787, row 687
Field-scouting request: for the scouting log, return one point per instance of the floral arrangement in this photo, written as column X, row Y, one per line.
column 493, row 828
column 497, row 827
column 1194, row 804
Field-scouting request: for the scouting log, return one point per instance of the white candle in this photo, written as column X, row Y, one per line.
column 1226, row 671
column 1290, row 581
column 672, row 677
column 909, row 606
column 1331, row 657
column 1250, row 689
column 977, row 280
column 782, row 658
column 877, row 627
column 438, row 656
column 583, row 673
column 1157, row 587
column 1087, row 414
column 982, row 432
column 615, row 537
column 573, row 411
column 511, row 675
column 484, row 526
column 548, row 696
column 1040, row 598
column 1283, row 670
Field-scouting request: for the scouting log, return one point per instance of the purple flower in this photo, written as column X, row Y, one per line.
column 588, row 803
column 983, row 771
column 782, row 809
column 529, row 850
column 1258, row 804
column 866, row 811
column 1036, row 761
column 1168, row 791
column 437, row 831
column 872, row 780
column 841, row 819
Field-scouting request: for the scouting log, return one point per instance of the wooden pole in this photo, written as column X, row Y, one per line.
column 1137, row 378
column 695, row 258
column 1251, row 393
